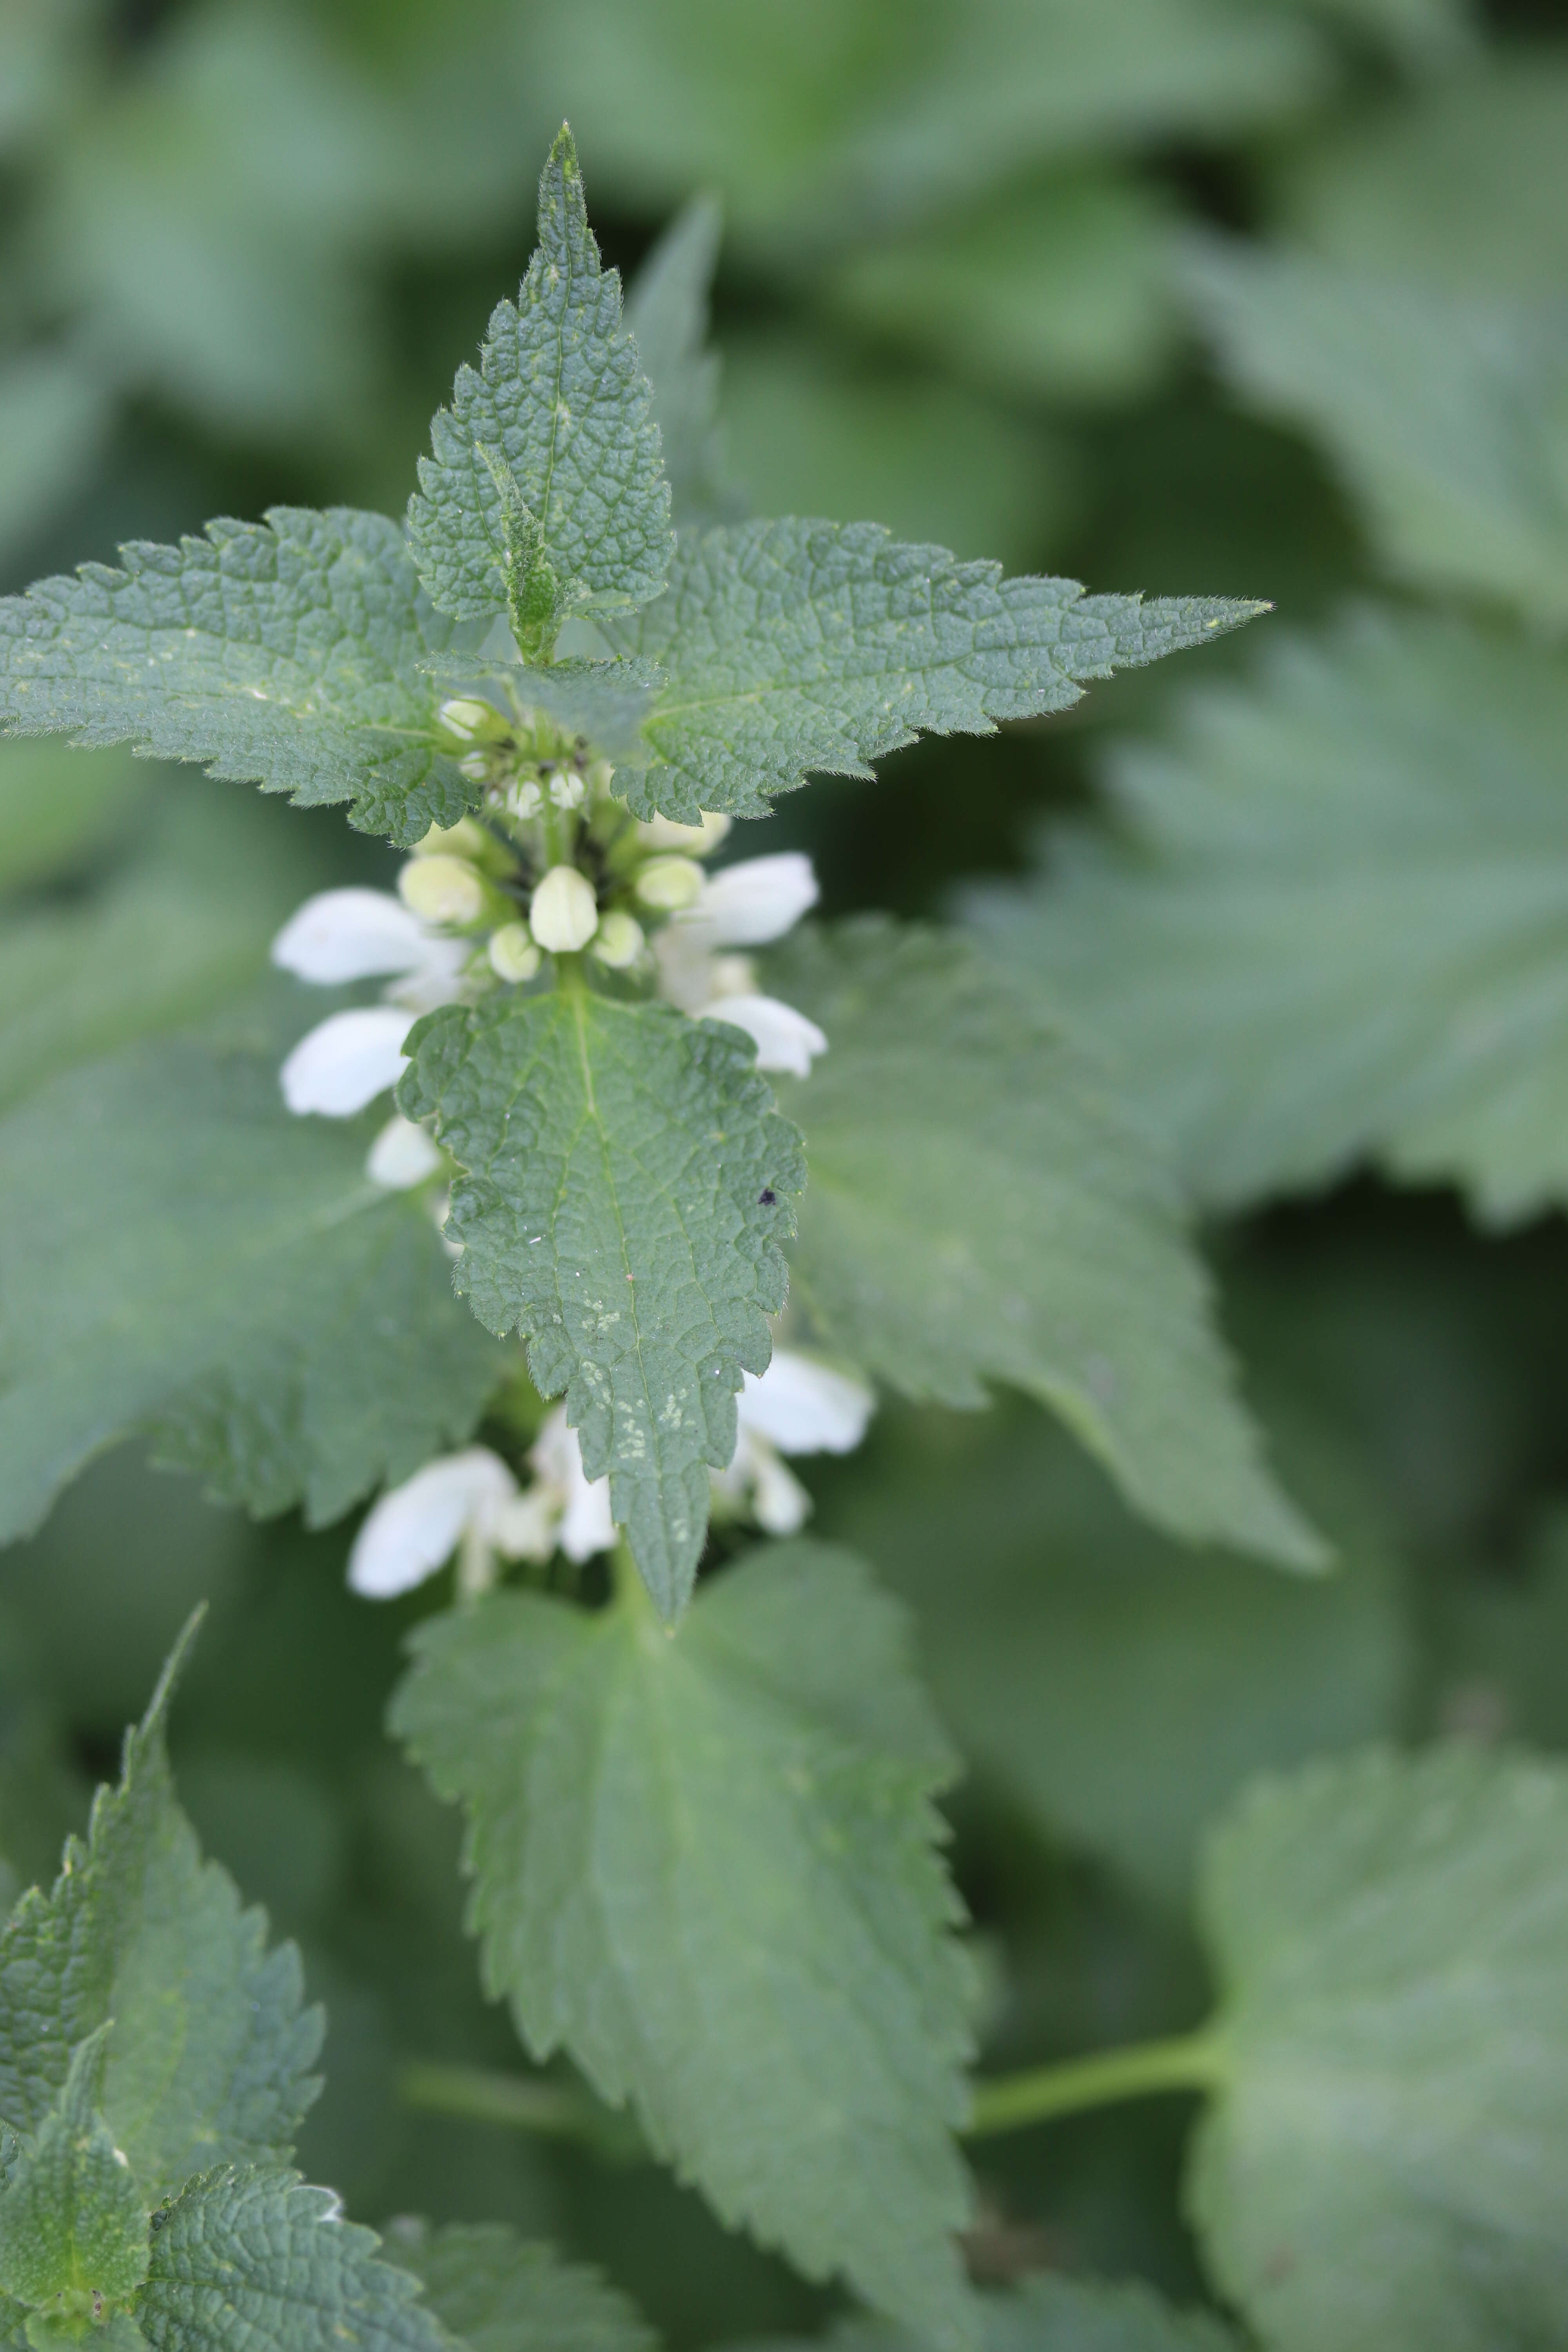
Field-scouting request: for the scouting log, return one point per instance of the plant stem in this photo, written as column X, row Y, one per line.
column 1189, row 2062
column 479, row 2095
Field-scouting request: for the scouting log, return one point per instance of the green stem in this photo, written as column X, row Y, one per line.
column 1190, row 2061
column 557, row 2110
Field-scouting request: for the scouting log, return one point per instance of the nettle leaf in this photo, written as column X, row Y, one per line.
column 981, row 1209
column 251, row 2257
column 605, row 700
column 666, row 311
column 1382, row 2169
column 1447, row 416
column 1053, row 2313
column 71, row 2215
column 795, row 647
column 226, row 1276
column 545, row 492
column 707, row 1867
column 285, row 653
column 626, row 1184
column 1339, row 934
column 1118, row 1691
column 497, row 2293
column 208, row 2051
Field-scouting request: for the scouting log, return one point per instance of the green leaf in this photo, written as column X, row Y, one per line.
column 627, row 1183
column 556, row 427
column 225, row 1275
column 72, row 2220
column 981, row 1209
column 248, row 2258
column 1116, row 1690
column 285, row 653
column 1449, row 419
column 1382, row 2170
column 1053, row 2313
column 1055, row 291
column 606, row 701
column 209, row 2051
column 666, row 311
column 499, row 2295
column 1339, row 934
column 705, row 1866
column 815, row 647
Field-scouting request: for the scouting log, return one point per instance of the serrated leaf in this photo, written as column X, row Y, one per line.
column 1339, row 934
column 666, row 311
column 604, row 701
column 209, row 2051
column 705, row 1867
column 627, row 1183
column 1117, row 1691
column 1382, row 2168
column 796, row 648
column 1447, row 418
column 286, row 654
column 561, row 408
column 225, row 1276
column 497, row 2293
column 248, row 2258
column 72, row 2218
column 981, row 1208
column 1053, row 2313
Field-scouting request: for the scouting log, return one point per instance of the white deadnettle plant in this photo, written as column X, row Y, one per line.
column 554, row 687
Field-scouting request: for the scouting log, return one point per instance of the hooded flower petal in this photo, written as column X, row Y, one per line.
column 758, row 1482
column 760, row 899
column 415, row 1527
column 803, row 1407
column 346, row 1061
column 586, row 1526
column 786, row 1039
column 402, row 1155
column 341, row 935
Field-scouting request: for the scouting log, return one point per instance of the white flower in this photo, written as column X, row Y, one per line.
column 563, row 914
column 582, row 1524
column 455, row 1501
column 402, row 1155
column 342, row 935
column 759, row 900
column 346, row 1061
column 786, row 1039
column 797, row 1406
column 442, row 889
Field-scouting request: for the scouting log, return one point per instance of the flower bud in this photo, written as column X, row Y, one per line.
column 466, row 716
column 442, row 890
column 564, row 915
column 670, row 883
column 601, row 776
column 512, row 953
column 618, row 942
column 476, row 766
column 524, row 799
column 566, row 790
column 695, row 840
column 464, row 839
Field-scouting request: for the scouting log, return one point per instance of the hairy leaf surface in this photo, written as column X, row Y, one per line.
column 562, row 408
column 71, row 2215
column 223, row 1274
column 1340, row 932
column 285, row 653
column 981, row 1209
column 209, row 2052
column 626, row 1185
column 796, row 648
column 1449, row 418
column 251, row 2257
column 705, row 1866
column 497, row 2293
column 1382, row 2169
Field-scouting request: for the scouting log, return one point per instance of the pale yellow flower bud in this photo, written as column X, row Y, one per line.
column 670, row 883
column 618, row 942
column 601, row 776
column 512, row 953
column 564, row 914
column 442, row 890
column 695, row 840
column 464, row 839
column 465, row 715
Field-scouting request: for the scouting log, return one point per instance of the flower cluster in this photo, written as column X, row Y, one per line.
column 470, row 1503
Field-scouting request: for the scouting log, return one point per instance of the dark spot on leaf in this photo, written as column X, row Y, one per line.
column 765, row 1199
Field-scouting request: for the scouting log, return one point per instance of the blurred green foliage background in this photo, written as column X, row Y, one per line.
column 243, row 245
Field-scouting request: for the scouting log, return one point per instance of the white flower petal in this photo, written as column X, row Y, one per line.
column 586, row 1525
column 760, row 899
column 416, row 1526
column 341, row 935
column 803, row 1407
column 346, row 1061
column 402, row 1155
column 526, row 1527
column 786, row 1039
column 436, row 979
column 778, row 1501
